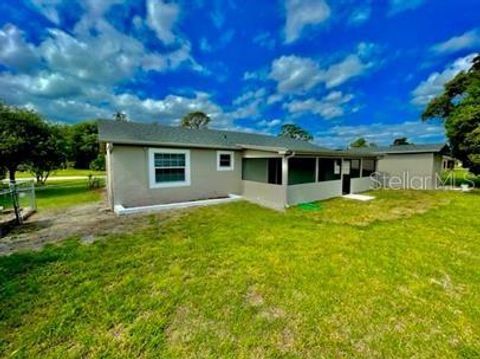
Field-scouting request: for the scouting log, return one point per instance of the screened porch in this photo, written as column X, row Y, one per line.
column 286, row 181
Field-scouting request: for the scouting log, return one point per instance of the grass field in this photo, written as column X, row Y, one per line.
column 65, row 193
column 69, row 172
column 60, row 194
column 396, row 277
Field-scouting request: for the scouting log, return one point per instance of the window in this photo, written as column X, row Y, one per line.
column 224, row 161
column 301, row 170
column 355, row 169
column 328, row 169
column 169, row 167
column 368, row 168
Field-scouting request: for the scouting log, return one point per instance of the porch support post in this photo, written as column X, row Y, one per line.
column 285, row 179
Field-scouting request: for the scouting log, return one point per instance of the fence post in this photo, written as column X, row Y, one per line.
column 13, row 192
column 33, row 199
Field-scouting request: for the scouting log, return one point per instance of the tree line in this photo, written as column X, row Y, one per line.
column 30, row 143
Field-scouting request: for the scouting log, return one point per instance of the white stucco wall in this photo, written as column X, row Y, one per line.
column 363, row 184
column 310, row 192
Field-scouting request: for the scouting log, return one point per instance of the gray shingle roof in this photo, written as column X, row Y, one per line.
column 154, row 134
column 422, row 148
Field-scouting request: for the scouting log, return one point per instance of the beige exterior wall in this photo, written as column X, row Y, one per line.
column 265, row 194
column 363, row 184
column 413, row 170
column 309, row 192
column 131, row 187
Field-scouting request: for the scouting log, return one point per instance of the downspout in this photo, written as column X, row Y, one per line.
column 109, row 149
column 287, row 155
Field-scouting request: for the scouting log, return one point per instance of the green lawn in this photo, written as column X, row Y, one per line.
column 60, row 194
column 65, row 193
column 396, row 277
column 69, row 172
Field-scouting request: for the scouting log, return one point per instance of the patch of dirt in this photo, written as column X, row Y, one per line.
column 272, row 313
column 89, row 222
column 253, row 298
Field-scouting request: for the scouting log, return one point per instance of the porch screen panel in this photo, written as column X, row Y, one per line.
column 275, row 170
column 355, row 169
column 301, row 170
column 326, row 169
column 368, row 168
column 255, row 169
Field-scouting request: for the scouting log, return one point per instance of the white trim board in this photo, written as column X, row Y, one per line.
column 232, row 160
column 120, row 210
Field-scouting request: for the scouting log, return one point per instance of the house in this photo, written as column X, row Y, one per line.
column 411, row 166
column 151, row 164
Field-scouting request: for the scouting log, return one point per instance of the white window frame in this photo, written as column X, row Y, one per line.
column 151, row 168
column 232, row 160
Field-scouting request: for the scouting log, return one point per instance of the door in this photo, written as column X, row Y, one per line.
column 346, row 178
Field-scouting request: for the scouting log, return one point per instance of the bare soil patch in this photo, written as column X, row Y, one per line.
column 89, row 222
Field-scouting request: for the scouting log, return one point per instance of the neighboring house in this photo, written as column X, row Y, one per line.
column 150, row 164
column 411, row 166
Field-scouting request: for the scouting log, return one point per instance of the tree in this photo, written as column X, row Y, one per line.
column 401, row 141
column 120, row 116
column 22, row 131
column 359, row 142
column 296, row 132
column 458, row 106
column 84, row 143
column 195, row 120
column 48, row 155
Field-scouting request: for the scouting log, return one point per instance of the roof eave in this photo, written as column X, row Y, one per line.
column 165, row 144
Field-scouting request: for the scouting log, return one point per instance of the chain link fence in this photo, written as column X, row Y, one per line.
column 22, row 197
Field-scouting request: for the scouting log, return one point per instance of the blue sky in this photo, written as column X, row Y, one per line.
column 339, row 68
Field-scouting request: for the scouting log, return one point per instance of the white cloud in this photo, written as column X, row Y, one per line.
column 397, row 6
column 351, row 66
column 75, row 75
column 301, row 13
column 161, row 18
column 360, row 15
column 331, row 106
column 15, row 52
column 250, row 95
column 295, row 74
column 381, row 133
column 48, row 8
column 168, row 110
column 433, row 85
column 265, row 39
column 205, row 45
column 269, row 123
column 468, row 40
column 249, row 104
